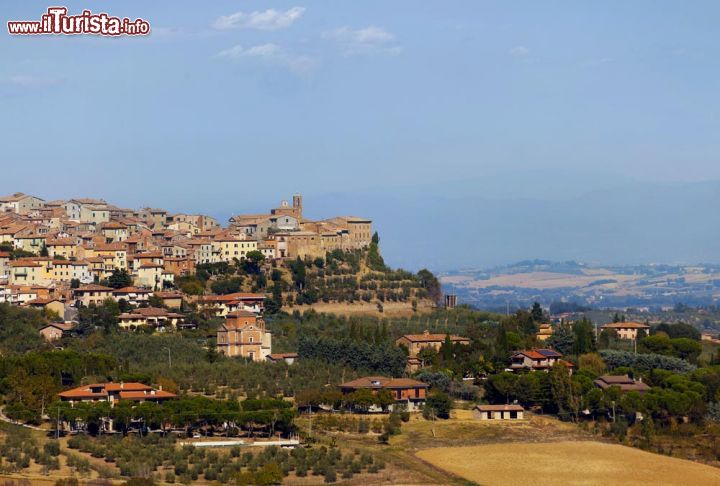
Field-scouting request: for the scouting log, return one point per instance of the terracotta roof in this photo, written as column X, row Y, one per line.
column 539, row 353
column 94, row 288
column 150, row 254
column 131, row 386
column 103, row 389
column 62, row 242
column 380, row 382
column 625, row 325
column 499, row 408
column 72, row 263
column 427, row 337
column 151, row 265
column 235, row 296
column 112, row 225
column 111, row 247
column 42, row 301
column 155, row 312
column 142, row 395
column 625, row 383
column 18, row 263
column 63, row 326
column 278, row 356
column 132, row 290
column 169, row 295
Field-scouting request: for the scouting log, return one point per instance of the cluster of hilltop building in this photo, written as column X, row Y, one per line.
column 48, row 246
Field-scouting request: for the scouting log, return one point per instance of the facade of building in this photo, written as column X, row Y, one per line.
column 20, row 203
column 544, row 332
column 158, row 318
column 537, row 359
column 55, row 330
column 417, row 342
column 626, row 330
column 92, row 294
column 499, row 412
column 409, row 393
column 243, row 334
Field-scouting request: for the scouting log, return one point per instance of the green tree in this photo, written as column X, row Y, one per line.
column 120, row 278
column 562, row 339
column 374, row 259
column 429, row 282
column 253, row 261
column 271, row 473
column 438, row 404
column 537, row 313
column 565, row 394
column 584, row 337
column 299, row 274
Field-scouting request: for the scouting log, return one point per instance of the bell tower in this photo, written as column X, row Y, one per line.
column 297, row 205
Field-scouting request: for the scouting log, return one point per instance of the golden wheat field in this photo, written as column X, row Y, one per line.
column 577, row 463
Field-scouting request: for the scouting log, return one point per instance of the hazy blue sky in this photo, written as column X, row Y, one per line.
column 226, row 107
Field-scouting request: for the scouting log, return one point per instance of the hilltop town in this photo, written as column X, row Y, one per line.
column 70, row 258
column 52, row 243
column 142, row 337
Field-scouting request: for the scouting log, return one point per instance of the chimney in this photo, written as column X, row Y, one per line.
column 122, row 385
column 426, row 332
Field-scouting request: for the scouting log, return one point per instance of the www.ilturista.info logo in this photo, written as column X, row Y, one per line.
column 57, row 22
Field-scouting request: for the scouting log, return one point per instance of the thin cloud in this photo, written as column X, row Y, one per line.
column 368, row 40
column 519, row 51
column 28, row 81
column 271, row 54
column 268, row 20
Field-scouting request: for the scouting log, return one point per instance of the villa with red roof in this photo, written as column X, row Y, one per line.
column 411, row 393
column 115, row 392
column 537, row 359
column 223, row 305
column 417, row 342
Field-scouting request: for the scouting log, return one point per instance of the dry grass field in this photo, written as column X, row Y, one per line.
column 567, row 462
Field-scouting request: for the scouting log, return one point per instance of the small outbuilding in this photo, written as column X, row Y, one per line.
column 499, row 412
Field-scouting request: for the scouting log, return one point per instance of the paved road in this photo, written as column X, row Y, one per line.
column 7, row 419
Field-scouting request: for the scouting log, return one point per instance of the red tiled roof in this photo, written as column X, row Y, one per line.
column 63, row 326
column 235, row 296
column 499, row 408
column 132, row 290
column 626, row 325
column 432, row 337
column 94, row 288
column 539, row 353
column 142, row 395
column 42, row 301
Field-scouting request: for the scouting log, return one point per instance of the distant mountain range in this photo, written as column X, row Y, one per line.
column 633, row 223
column 641, row 286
